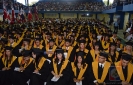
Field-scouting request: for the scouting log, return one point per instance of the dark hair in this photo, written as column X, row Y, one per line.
column 83, row 61
column 11, row 56
column 38, row 57
column 63, row 58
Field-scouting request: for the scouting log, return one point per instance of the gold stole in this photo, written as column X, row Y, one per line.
column 92, row 52
column 105, row 71
column 31, row 42
column 20, row 59
column 1, row 55
column 41, row 62
column 74, row 44
column 62, row 67
column 107, row 45
column 41, row 46
column 29, row 47
column 47, row 49
column 86, row 51
column 20, row 39
column 14, row 44
column 61, row 44
column 120, row 72
column 82, row 70
column 69, row 51
column 9, row 64
column 116, row 56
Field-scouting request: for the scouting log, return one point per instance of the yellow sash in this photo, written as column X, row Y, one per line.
column 41, row 46
column 82, row 70
column 116, row 56
column 14, row 44
column 105, row 71
column 41, row 62
column 20, row 61
column 69, row 51
column 120, row 72
column 92, row 52
column 9, row 64
column 1, row 55
column 86, row 51
column 47, row 49
column 62, row 67
column 61, row 44
column 74, row 44
column 105, row 46
column 31, row 42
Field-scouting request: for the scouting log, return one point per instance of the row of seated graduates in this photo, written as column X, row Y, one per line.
column 60, row 35
column 89, row 44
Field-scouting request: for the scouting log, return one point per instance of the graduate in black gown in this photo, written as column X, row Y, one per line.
column 24, row 68
column 41, row 68
column 80, row 70
column 60, row 68
column 7, row 65
column 124, row 70
column 100, row 70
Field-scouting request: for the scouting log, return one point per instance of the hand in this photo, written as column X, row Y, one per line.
column 57, row 76
column 22, row 68
column 124, row 83
column 76, row 80
column 36, row 71
column 96, row 83
column 61, row 75
column 5, row 68
column 8, row 68
column 104, row 83
column 82, row 79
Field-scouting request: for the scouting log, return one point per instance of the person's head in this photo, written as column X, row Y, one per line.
column 97, row 46
column 82, row 37
column 60, row 54
column 106, row 37
column 26, row 54
column 36, row 53
column 51, row 42
column 38, row 41
column 67, row 42
column 26, row 41
column 8, row 50
column 48, row 35
column 118, row 41
column 11, row 39
column 112, row 46
column 82, row 44
column 94, row 40
column 102, row 57
column 60, row 37
column 80, row 57
column 114, row 34
column 125, row 59
column 129, row 46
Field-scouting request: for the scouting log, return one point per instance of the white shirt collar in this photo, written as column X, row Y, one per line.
column 102, row 64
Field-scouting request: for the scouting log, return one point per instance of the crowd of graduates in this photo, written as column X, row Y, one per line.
column 64, row 52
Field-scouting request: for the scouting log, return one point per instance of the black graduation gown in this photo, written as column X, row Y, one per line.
column 100, row 72
column 40, row 79
column 125, row 73
column 21, row 78
column 64, row 80
column 86, row 79
column 6, row 76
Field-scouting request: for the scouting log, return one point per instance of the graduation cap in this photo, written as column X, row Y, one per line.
column 118, row 39
column 97, row 44
column 114, row 32
column 37, row 51
column 11, row 37
column 38, row 39
column 80, row 53
column 104, row 54
column 26, row 53
column 129, row 43
column 8, row 48
column 112, row 44
column 26, row 39
column 82, row 41
column 67, row 40
column 126, row 57
column 51, row 40
column 59, row 51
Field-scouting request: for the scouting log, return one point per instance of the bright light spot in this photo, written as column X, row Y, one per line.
column 87, row 14
column 30, row 1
